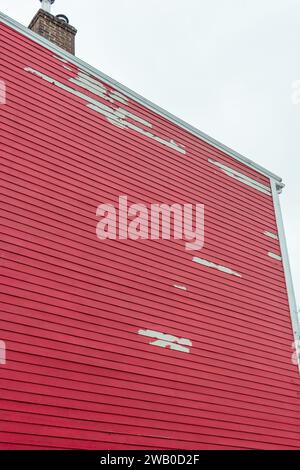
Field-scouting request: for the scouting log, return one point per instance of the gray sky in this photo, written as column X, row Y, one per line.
column 225, row 66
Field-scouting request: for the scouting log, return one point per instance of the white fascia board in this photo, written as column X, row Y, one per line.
column 134, row 96
column 286, row 266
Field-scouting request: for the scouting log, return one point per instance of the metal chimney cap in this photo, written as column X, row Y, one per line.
column 63, row 18
column 46, row 5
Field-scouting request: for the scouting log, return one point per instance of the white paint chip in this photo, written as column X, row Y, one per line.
column 274, row 256
column 2, row 352
column 163, row 340
column 119, row 117
column 271, row 235
column 121, row 97
column 178, row 286
column 242, row 178
column 60, row 58
column 89, row 84
column 209, row 264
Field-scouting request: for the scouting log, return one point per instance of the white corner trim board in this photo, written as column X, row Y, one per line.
column 271, row 235
column 286, row 266
column 163, row 340
column 115, row 115
column 241, row 177
column 274, row 256
column 210, row 264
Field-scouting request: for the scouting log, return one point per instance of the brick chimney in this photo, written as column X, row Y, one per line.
column 54, row 28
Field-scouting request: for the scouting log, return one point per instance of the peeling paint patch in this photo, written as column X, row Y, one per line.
column 117, row 116
column 61, row 59
column 118, row 120
column 274, row 256
column 66, row 64
column 92, row 85
column 271, row 235
column 123, row 114
column 178, row 286
column 106, row 110
column 68, row 68
column 209, row 264
column 2, row 353
column 163, row 340
column 118, row 96
column 241, row 177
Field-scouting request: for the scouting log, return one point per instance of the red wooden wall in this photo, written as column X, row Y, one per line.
column 78, row 374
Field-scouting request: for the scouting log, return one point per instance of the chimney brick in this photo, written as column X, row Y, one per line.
column 50, row 27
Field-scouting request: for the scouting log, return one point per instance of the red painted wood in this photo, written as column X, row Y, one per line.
column 78, row 375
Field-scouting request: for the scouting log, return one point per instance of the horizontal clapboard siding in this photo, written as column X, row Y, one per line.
column 78, row 374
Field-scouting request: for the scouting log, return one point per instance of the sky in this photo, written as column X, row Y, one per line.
column 231, row 68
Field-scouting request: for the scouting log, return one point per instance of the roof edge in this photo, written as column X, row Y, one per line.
column 135, row 96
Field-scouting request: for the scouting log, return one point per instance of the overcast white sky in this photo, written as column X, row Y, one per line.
column 225, row 66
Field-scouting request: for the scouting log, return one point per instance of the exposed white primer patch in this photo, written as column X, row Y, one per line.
column 61, row 59
column 271, row 235
column 118, row 96
column 178, row 286
column 274, row 256
column 123, row 114
column 106, row 110
column 209, row 264
column 119, row 120
column 163, row 340
column 89, row 83
column 64, row 62
column 119, row 117
column 67, row 68
column 242, row 178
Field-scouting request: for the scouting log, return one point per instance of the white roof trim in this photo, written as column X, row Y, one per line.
column 131, row 94
column 241, row 177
